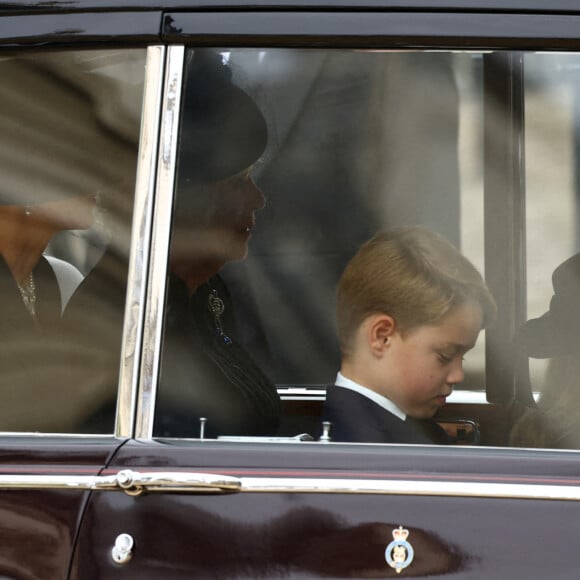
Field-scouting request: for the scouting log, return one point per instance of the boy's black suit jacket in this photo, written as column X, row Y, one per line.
column 357, row 419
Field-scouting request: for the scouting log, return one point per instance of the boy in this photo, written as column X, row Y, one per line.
column 409, row 307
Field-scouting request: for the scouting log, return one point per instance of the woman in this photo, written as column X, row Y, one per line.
column 205, row 370
column 33, row 292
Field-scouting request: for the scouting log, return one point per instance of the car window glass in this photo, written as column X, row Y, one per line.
column 356, row 142
column 68, row 151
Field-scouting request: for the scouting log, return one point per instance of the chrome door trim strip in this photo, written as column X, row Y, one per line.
column 46, row 482
column 131, row 482
column 140, row 242
column 135, row 483
column 155, row 300
column 411, row 487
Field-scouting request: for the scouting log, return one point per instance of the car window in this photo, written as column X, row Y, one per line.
column 290, row 159
column 68, row 151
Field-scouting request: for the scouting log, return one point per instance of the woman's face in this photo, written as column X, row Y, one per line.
column 216, row 226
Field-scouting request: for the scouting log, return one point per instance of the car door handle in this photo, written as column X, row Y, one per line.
column 129, row 481
column 136, row 482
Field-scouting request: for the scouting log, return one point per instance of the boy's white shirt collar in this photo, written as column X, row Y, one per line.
column 342, row 381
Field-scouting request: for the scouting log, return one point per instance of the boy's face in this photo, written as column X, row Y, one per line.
column 422, row 365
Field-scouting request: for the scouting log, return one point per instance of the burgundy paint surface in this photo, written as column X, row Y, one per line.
column 282, row 535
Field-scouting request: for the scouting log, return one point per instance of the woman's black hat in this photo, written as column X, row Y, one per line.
column 557, row 332
column 222, row 128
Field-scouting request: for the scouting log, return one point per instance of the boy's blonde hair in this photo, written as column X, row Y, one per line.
column 412, row 274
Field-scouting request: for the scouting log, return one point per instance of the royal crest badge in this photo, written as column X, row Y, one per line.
column 399, row 553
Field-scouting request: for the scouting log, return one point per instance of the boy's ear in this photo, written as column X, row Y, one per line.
column 380, row 330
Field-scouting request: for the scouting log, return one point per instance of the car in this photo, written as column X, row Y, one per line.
column 123, row 454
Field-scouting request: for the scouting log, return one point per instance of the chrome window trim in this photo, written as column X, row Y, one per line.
column 155, row 296
column 140, row 242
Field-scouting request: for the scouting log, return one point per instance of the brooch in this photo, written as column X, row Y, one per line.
column 216, row 306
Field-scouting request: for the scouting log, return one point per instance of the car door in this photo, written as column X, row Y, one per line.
column 375, row 119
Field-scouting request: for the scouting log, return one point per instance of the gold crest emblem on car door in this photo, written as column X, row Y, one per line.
column 399, row 553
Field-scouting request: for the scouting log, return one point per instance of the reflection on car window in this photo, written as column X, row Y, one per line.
column 356, row 142
column 68, row 151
